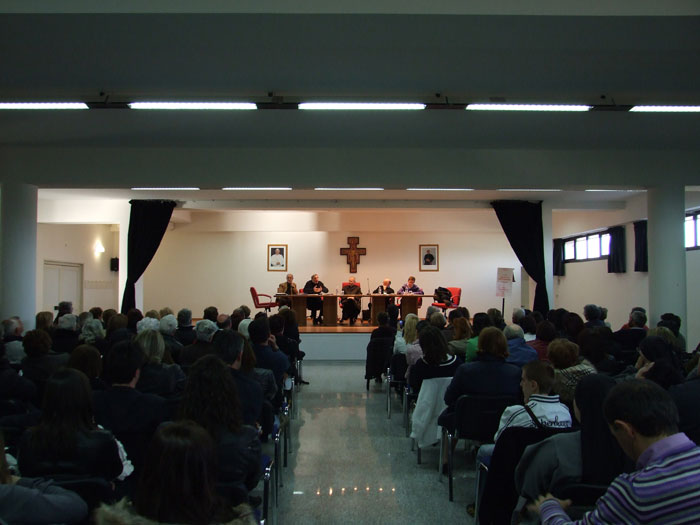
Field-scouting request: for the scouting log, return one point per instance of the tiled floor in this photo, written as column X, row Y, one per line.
column 350, row 464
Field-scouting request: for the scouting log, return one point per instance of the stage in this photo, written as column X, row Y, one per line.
column 335, row 343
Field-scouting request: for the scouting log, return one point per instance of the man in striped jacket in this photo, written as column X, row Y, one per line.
column 666, row 487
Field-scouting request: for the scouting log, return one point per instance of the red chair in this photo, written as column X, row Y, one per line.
column 456, row 294
column 256, row 300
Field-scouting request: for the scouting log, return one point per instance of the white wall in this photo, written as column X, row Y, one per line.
column 74, row 243
column 213, row 261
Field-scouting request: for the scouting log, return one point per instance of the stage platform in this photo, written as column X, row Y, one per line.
column 340, row 329
column 335, row 343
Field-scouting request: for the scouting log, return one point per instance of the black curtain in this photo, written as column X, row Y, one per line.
column 616, row 259
column 641, row 257
column 558, row 257
column 522, row 223
column 147, row 224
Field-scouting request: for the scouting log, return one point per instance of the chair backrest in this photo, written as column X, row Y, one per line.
column 477, row 416
column 398, row 366
column 379, row 352
column 254, row 295
column 456, row 294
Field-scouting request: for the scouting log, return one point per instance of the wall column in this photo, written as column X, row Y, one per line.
column 548, row 248
column 18, row 237
column 666, row 241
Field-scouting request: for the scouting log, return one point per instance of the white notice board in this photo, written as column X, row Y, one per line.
column 504, row 282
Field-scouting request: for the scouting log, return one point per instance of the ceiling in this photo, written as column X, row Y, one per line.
column 561, row 53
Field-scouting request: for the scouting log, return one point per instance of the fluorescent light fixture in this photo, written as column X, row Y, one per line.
column 528, row 189
column 43, row 105
column 666, row 109
column 371, row 106
column 439, row 189
column 166, row 189
column 348, row 189
column 271, row 188
column 194, row 105
column 604, row 190
column 527, row 107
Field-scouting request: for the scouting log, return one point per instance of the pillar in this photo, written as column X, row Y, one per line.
column 666, row 241
column 547, row 243
column 18, row 237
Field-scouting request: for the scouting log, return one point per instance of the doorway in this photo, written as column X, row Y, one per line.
column 62, row 282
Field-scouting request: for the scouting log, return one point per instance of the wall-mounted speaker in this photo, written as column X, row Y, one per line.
column 114, row 264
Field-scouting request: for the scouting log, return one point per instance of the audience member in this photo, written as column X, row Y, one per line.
column 686, row 396
column 165, row 380
column 569, row 368
column 223, row 321
column 211, row 399
column 117, row 330
column 291, row 327
column 13, row 385
column 107, row 315
column 462, row 333
column 592, row 314
column 228, row 346
column 673, row 323
column 481, row 320
column 636, row 309
column 66, row 440
column 496, row 318
column 40, row 362
column 64, row 307
column 518, row 314
column 88, row 360
column 573, row 324
column 204, row 331
column 657, row 362
column 666, row 486
column 148, row 323
column 593, row 346
column 449, row 331
column 44, row 321
column 519, row 351
column 185, row 331
column 65, row 335
column 133, row 316
column 589, row 455
column 407, row 336
column 383, row 329
column 393, row 312
column 153, row 314
column 436, row 360
column 487, row 374
column 131, row 415
column 178, row 484
column 210, row 313
column 14, row 351
column 173, row 347
column 36, row 500
column 529, row 326
column 83, row 318
column 97, row 313
column 93, row 333
column 166, row 310
column 267, row 354
column 546, row 333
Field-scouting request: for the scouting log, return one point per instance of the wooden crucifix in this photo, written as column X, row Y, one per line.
column 353, row 253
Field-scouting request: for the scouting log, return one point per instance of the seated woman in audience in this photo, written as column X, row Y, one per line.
column 658, row 362
column 480, row 321
column 291, row 327
column 590, row 455
column 167, row 381
column 35, row 500
column 462, row 334
column 13, row 385
column 407, row 336
column 593, row 346
column 488, row 374
column 569, row 368
column 211, row 400
column 44, row 321
column 88, row 360
column 117, row 330
column 67, row 440
column 573, row 324
column 544, row 334
column 94, row 334
column 178, row 484
column 529, row 326
column 40, row 362
column 436, row 361
column 413, row 350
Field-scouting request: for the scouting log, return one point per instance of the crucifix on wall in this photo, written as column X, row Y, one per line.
column 353, row 253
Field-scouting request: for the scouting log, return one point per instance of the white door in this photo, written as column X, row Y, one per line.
column 62, row 282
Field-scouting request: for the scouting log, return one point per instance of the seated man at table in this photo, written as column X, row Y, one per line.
column 385, row 289
column 315, row 286
column 410, row 287
column 289, row 286
column 351, row 305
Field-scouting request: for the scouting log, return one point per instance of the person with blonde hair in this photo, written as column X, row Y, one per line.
column 156, row 377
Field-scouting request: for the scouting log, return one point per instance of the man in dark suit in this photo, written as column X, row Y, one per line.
column 629, row 338
column 351, row 305
column 185, row 331
column 315, row 286
column 130, row 415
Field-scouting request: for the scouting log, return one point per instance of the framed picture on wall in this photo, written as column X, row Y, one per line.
column 277, row 257
column 428, row 260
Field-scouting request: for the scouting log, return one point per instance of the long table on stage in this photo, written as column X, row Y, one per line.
column 408, row 304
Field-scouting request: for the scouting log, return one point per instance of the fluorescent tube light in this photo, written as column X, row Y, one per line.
column 604, row 190
column 527, row 107
column 43, row 105
column 528, row 189
column 194, row 105
column 348, row 189
column 439, row 189
column 271, row 188
column 166, row 189
column 360, row 106
column 666, row 109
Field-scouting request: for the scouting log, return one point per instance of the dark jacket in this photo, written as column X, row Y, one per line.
column 520, row 352
column 167, row 381
column 239, row 458
column 173, row 346
column 266, row 357
column 42, row 500
column 38, row 369
column 383, row 332
column 422, row 370
column 250, row 394
column 194, row 351
column 686, row 396
column 64, row 341
column 485, row 375
column 186, row 335
column 96, row 454
column 14, row 386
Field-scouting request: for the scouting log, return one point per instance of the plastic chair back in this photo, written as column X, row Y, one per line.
column 477, row 416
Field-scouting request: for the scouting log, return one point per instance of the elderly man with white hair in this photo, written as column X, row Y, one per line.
column 204, row 330
column 14, row 351
column 168, row 327
column 94, row 334
column 520, row 352
column 65, row 337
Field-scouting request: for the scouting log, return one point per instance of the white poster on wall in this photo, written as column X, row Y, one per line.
column 504, row 282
